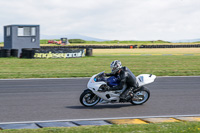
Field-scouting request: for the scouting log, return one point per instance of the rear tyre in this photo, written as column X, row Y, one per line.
column 88, row 98
column 140, row 96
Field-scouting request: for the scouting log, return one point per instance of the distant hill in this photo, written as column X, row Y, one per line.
column 87, row 38
column 72, row 36
column 188, row 40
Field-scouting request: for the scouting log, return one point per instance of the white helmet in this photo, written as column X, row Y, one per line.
column 115, row 65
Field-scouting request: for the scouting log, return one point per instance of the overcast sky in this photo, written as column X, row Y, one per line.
column 107, row 19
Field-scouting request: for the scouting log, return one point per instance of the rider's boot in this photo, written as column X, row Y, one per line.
column 127, row 95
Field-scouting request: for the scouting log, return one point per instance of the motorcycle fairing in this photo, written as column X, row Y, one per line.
column 144, row 79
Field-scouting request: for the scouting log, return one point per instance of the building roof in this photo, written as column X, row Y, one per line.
column 22, row 25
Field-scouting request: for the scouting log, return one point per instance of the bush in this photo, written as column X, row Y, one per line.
column 43, row 41
column 76, row 41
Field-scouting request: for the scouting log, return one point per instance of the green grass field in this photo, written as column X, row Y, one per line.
column 87, row 66
column 179, row 51
column 179, row 127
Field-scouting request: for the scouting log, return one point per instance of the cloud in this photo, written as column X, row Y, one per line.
column 108, row 19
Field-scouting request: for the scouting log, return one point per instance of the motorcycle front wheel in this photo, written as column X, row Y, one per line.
column 140, row 96
column 88, row 98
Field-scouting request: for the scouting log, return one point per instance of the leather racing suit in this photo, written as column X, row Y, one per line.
column 125, row 77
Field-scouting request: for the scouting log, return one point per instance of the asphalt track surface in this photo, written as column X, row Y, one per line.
column 58, row 99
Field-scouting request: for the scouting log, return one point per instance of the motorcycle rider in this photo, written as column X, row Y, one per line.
column 125, row 77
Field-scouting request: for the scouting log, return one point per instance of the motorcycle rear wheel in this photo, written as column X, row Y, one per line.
column 140, row 96
column 88, row 98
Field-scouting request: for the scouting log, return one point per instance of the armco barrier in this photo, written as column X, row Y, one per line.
column 170, row 46
column 93, row 46
column 125, row 46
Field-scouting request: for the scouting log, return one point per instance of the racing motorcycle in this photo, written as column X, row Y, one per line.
column 98, row 83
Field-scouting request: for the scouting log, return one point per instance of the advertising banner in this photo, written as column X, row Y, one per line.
column 59, row 53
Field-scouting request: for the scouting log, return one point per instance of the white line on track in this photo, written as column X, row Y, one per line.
column 47, row 78
column 89, row 77
column 109, row 118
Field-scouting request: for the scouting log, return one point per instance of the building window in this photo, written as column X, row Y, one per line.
column 7, row 31
column 33, row 31
column 26, row 31
column 20, row 31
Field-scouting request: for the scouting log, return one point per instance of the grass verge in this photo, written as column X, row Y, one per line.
column 146, row 51
column 178, row 127
column 87, row 66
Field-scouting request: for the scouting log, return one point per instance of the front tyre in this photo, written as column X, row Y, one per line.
column 88, row 98
column 140, row 96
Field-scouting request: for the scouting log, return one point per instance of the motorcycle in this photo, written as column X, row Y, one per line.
column 96, row 90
